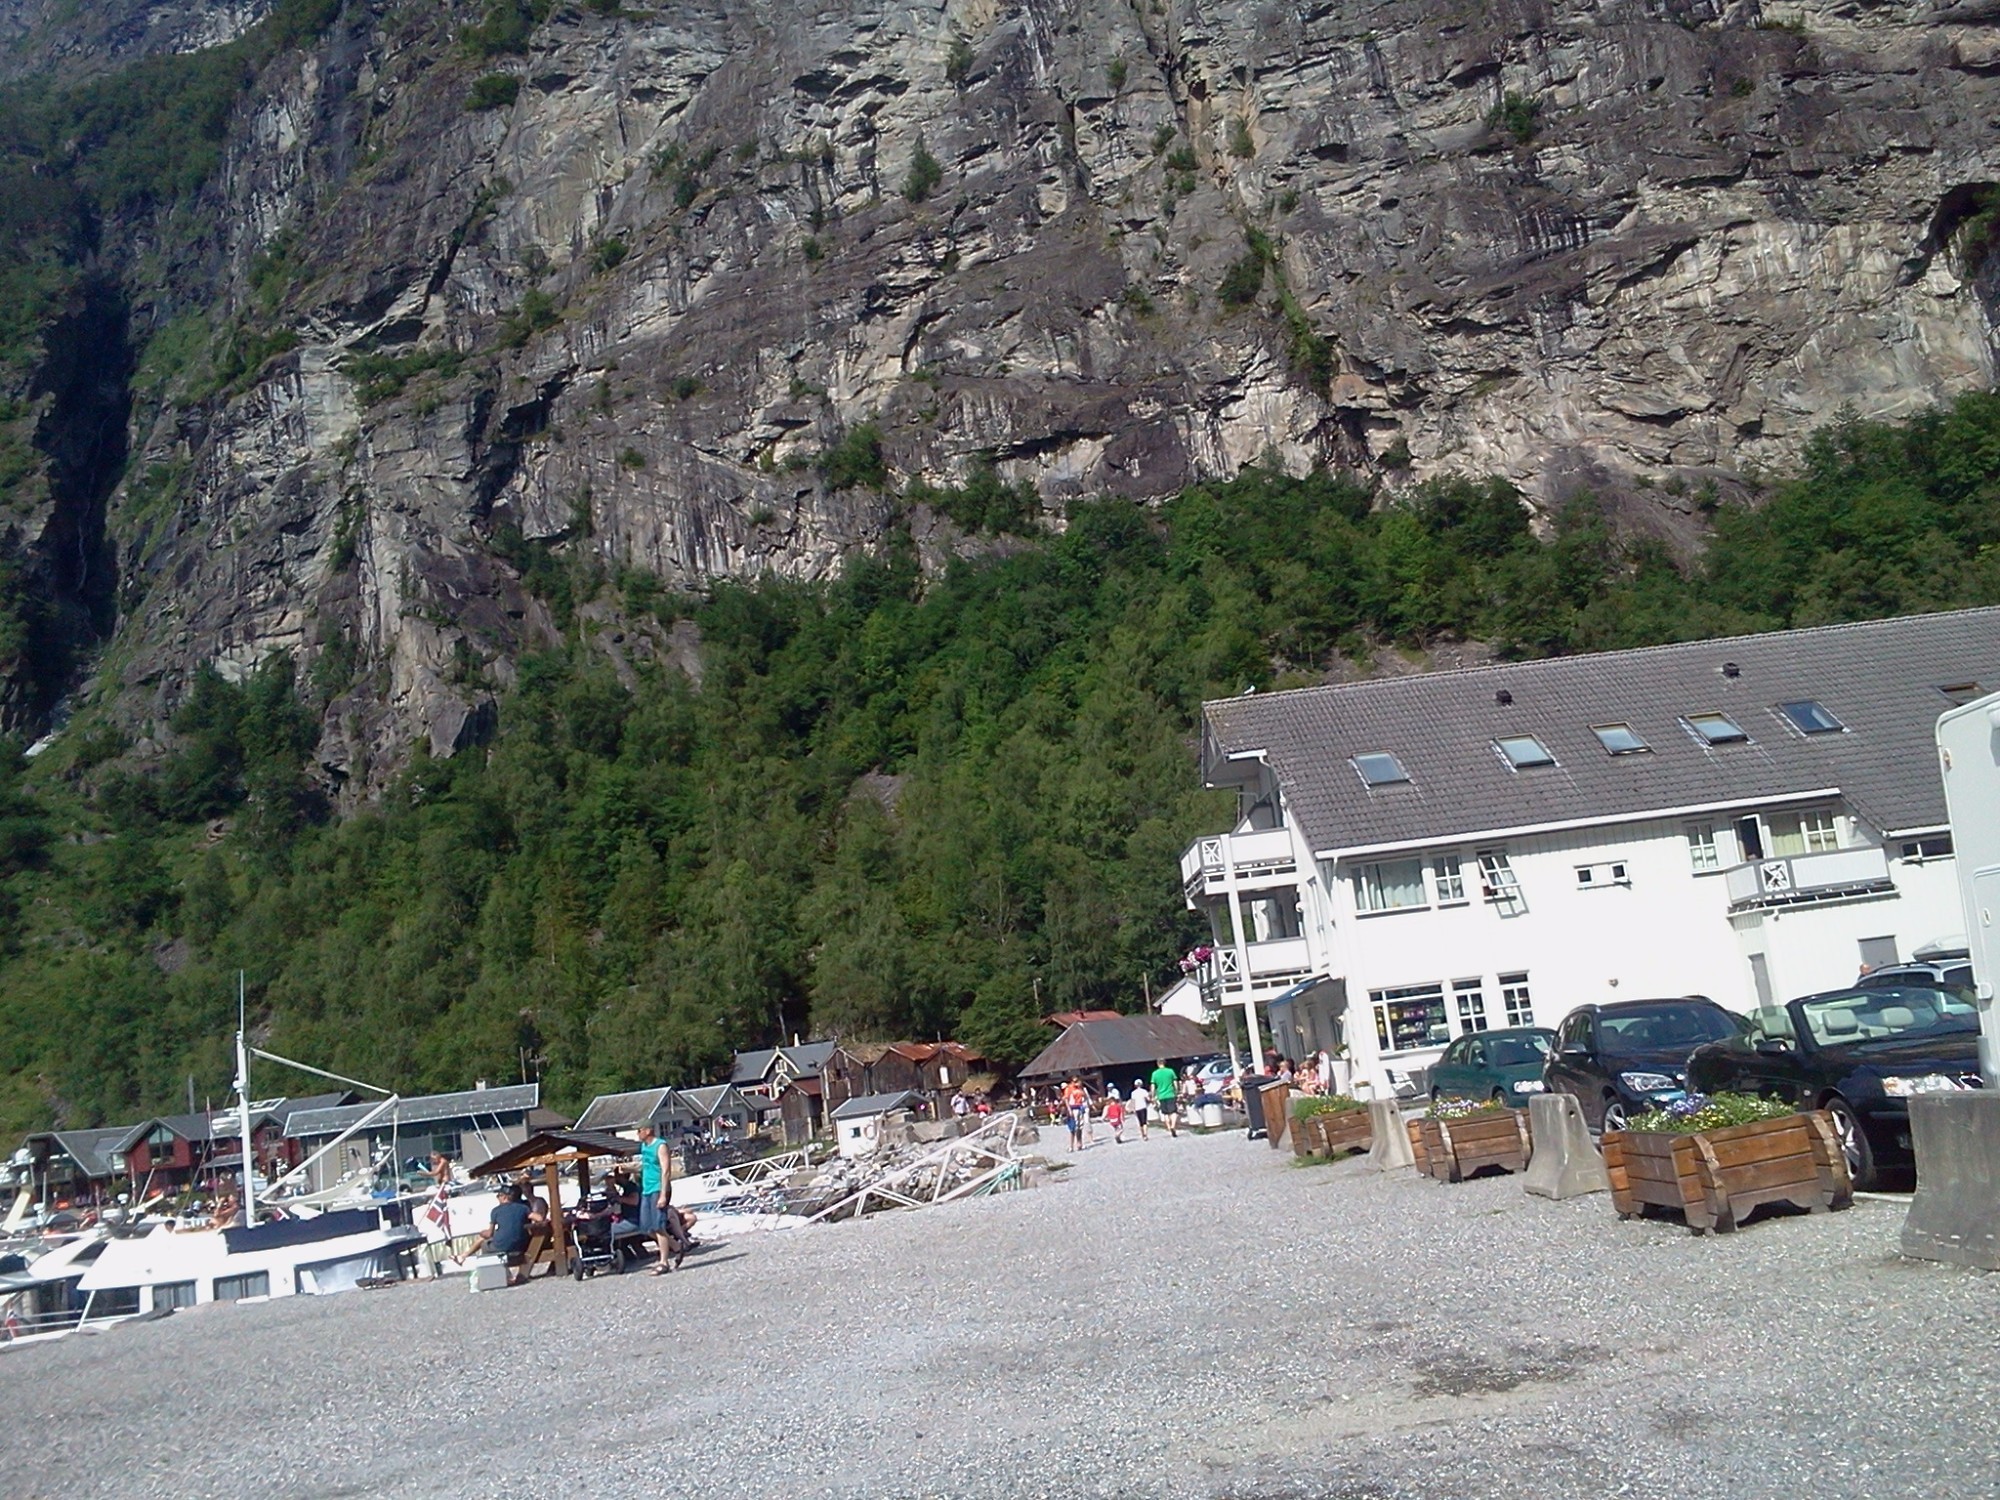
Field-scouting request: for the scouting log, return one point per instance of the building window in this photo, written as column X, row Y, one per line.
column 1410, row 1017
column 173, row 1294
column 1803, row 833
column 446, row 1143
column 1469, row 1000
column 1701, row 848
column 1809, row 716
column 1619, row 739
column 1379, row 768
column 1515, row 1001
column 1591, row 877
column 235, row 1288
column 1931, row 846
column 1523, row 751
column 1716, row 729
column 1449, row 879
column 1497, row 882
column 1394, row 885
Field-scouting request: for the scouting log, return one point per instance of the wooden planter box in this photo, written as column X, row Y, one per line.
column 1333, row 1133
column 1452, row 1150
column 1277, row 1112
column 1714, row 1177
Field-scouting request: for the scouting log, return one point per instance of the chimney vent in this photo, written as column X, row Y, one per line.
column 1730, row 669
column 1503, row 698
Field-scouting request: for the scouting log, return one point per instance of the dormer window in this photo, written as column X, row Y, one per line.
column 1524, row 751
column 1379, row 768
column 1716, row 729
column 1809, row 716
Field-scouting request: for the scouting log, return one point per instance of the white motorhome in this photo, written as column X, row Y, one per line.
column 1968, row 740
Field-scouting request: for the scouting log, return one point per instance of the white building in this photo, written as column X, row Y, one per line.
column 1750, row 819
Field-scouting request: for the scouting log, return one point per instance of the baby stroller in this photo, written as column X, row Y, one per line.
column 606, row 1242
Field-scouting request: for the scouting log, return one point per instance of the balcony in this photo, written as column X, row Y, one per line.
column 1275, row 965
column 1799, row 879
column 1263, row 857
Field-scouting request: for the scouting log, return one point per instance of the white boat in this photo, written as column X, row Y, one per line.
column 166, row 1269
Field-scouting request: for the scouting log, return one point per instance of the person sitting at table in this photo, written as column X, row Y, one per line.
column 507, row 1235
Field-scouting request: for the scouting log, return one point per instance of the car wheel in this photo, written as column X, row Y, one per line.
column 1500, row 1097
column 1614, row 1113
column 1437, row 1097
column 1853, row 1142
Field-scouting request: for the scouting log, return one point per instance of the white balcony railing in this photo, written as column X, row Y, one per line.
column 1261, row 857
column 1274, row 965
column 1789, row 880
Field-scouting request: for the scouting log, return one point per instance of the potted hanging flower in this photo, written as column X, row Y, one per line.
column 1196, row 957
column 1330, row 1125
column 1464, row 1136
column 1714, row 1157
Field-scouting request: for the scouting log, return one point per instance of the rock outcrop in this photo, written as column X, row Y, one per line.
column 1110, row 246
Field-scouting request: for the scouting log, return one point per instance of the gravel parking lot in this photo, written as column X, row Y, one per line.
column 1192, row 1317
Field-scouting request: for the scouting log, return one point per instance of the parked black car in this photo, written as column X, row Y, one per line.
column 1622, row 1059
column 1859, row 1054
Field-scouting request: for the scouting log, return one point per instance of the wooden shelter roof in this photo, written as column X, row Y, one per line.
column 555, row 1148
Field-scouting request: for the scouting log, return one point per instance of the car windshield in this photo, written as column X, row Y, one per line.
column 1664, row 1028
column 1517, row 1051
column 1907, row 1011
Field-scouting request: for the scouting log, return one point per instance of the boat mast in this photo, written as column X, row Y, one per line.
column 243, row 1108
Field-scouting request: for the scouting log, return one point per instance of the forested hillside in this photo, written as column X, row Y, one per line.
column 892, row 805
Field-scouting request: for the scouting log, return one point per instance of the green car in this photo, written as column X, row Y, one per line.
column 1504, row 1066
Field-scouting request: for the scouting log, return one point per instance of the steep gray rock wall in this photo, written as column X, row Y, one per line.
column 1628, row 246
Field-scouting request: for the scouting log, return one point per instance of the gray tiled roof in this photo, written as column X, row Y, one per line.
column 622, row 1111
column 513, row 1098
column 90, row 1149
column 1879, row 679
column 809, row 1059
column 710, row 1101
column 752, row 1066
column 863, row 1105
column 1119, row 1042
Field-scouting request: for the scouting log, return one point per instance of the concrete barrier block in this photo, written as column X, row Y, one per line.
column 1392, row 1137
column 1565, row 1163
column 1955, row 1215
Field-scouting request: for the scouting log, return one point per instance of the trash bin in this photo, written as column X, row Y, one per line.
column 1211, row 1112
column 1253, row 1102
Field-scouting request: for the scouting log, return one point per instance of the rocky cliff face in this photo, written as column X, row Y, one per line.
column 1112, row 245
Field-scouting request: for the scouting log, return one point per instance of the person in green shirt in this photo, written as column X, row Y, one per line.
column 1165, row 1096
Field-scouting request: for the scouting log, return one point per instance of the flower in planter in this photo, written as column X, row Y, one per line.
column 1697, row 1112
column 1304, row 1106
column 1465, row 1109
column 1196, row 957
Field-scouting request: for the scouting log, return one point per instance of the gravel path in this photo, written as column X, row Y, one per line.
column 1191, row 1317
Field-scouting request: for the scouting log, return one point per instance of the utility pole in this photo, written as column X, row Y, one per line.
column 243, row 1104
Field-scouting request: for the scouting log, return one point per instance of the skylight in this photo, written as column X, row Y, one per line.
column 1958, row 694
column 1379, row 768
column 1717, row 729
column 1809, row 716
column 1619, row 739
column 1524, row 750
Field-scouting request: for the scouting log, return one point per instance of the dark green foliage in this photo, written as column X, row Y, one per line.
column 810, row 248
column 856, row 460
column 1240, row 143
column 493, row 91
column 380, row 376
column 1114, row 74
column 505, row 29
column 685, row 387
column 1242, row 282
column 1518, row 115
column 609, row 253
column 536, row 312
column 984, row 503
column 958, row 62
column 635, row 876
column 925, row 175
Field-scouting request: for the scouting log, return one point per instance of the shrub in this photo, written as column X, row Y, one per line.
column 925, row 175
column 494, row 91
column 856, row 460
column 1517, row 115
column 958, row 62
column 810, row 248
column 609, row 253
column 631, row 458
column 1240, row 143
column 1114, row 74
column 1163, row 138
column 1699, row 1112
column 1243, row 280
column 536, row 312
column 503, row 30
column 685, row 387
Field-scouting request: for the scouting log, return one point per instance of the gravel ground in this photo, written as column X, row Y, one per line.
column 1183, row 1318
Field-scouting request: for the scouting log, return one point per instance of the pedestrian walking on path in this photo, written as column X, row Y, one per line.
column 1166, row 1093
column 656, row 1195
column 1114, row 1116
column 1076, row 1112
column 1142, row 1109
